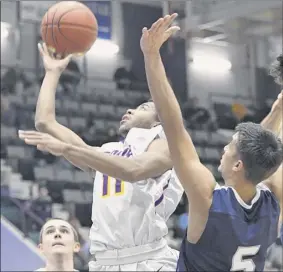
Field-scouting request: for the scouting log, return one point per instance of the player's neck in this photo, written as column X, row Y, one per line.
column 60, row 264
column 246, row 191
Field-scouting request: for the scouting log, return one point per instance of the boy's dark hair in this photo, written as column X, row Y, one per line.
column 76, row 235
column 260, row 151
column 276, row 70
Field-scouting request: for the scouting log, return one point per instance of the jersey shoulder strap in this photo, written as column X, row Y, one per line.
column 139, row 139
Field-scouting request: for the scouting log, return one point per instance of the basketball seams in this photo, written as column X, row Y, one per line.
column 46, row 27
column 59, row 24
column 75, row 42
column 79, row 27
column 66, row 12
column 75, row 24
column 52, row 29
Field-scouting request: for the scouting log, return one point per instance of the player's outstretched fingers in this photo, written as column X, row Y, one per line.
column 156, row 25
column 45, row 49
column 32, row 141
column 40, row 49
column 41, row 147
column 160, row 26
column 170, row 31
column 30, row 132
column 145, row 31
column 171, row 19
column 49, row 51
column 166, row 22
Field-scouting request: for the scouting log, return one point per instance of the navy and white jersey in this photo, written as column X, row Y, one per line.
column 236, row 236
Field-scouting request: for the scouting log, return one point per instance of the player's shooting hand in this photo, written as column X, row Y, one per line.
column 43, row 142
column 152, row 39
column 278, row 104
column 51, row 61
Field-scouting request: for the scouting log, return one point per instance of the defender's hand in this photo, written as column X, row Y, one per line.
column 152, row 39
column 52, row 62
column 43, row 142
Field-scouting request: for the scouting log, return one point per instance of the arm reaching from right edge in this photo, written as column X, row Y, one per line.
column 197, row 180
column 45, row 118
column 273, row 122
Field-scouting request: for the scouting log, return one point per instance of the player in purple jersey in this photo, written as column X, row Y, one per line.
column 230, row 227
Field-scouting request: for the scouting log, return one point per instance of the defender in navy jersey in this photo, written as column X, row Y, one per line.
column 230, row 228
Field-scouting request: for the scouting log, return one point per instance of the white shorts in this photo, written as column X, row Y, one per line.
column 156, row 256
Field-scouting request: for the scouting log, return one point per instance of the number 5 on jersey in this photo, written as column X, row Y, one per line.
column 241, row 262
column 106, row 187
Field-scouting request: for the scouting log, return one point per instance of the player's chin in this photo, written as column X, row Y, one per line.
column 123, row 129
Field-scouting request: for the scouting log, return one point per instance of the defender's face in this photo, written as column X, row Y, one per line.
column 143, row 116
column 230, row 162
column 58, row 238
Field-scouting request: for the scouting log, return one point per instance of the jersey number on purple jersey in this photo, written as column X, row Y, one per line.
column 106, row 189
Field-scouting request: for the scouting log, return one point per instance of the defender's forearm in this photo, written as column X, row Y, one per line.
column 273, row 121
column 45, row 108
column 167, row 107
column 114, row 166
column 164, row 98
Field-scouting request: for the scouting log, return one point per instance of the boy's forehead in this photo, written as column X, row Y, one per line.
column 56, row 223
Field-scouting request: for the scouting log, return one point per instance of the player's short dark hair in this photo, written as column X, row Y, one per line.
column 276, row 70
column 76, row 235
column 157, row 117
column 260, row 151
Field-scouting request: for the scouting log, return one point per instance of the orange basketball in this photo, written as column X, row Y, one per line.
column 69, row 27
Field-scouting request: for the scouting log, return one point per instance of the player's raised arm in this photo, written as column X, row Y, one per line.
column 197, row 180
column 45, row 119
column 273, row 121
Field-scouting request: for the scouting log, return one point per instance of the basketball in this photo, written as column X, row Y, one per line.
column 69, row 27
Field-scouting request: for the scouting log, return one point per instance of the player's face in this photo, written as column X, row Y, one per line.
column 144, row 116
column 230, row 163
column 58, row 238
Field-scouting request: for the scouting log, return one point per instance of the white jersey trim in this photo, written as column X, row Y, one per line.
column 260, row 187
